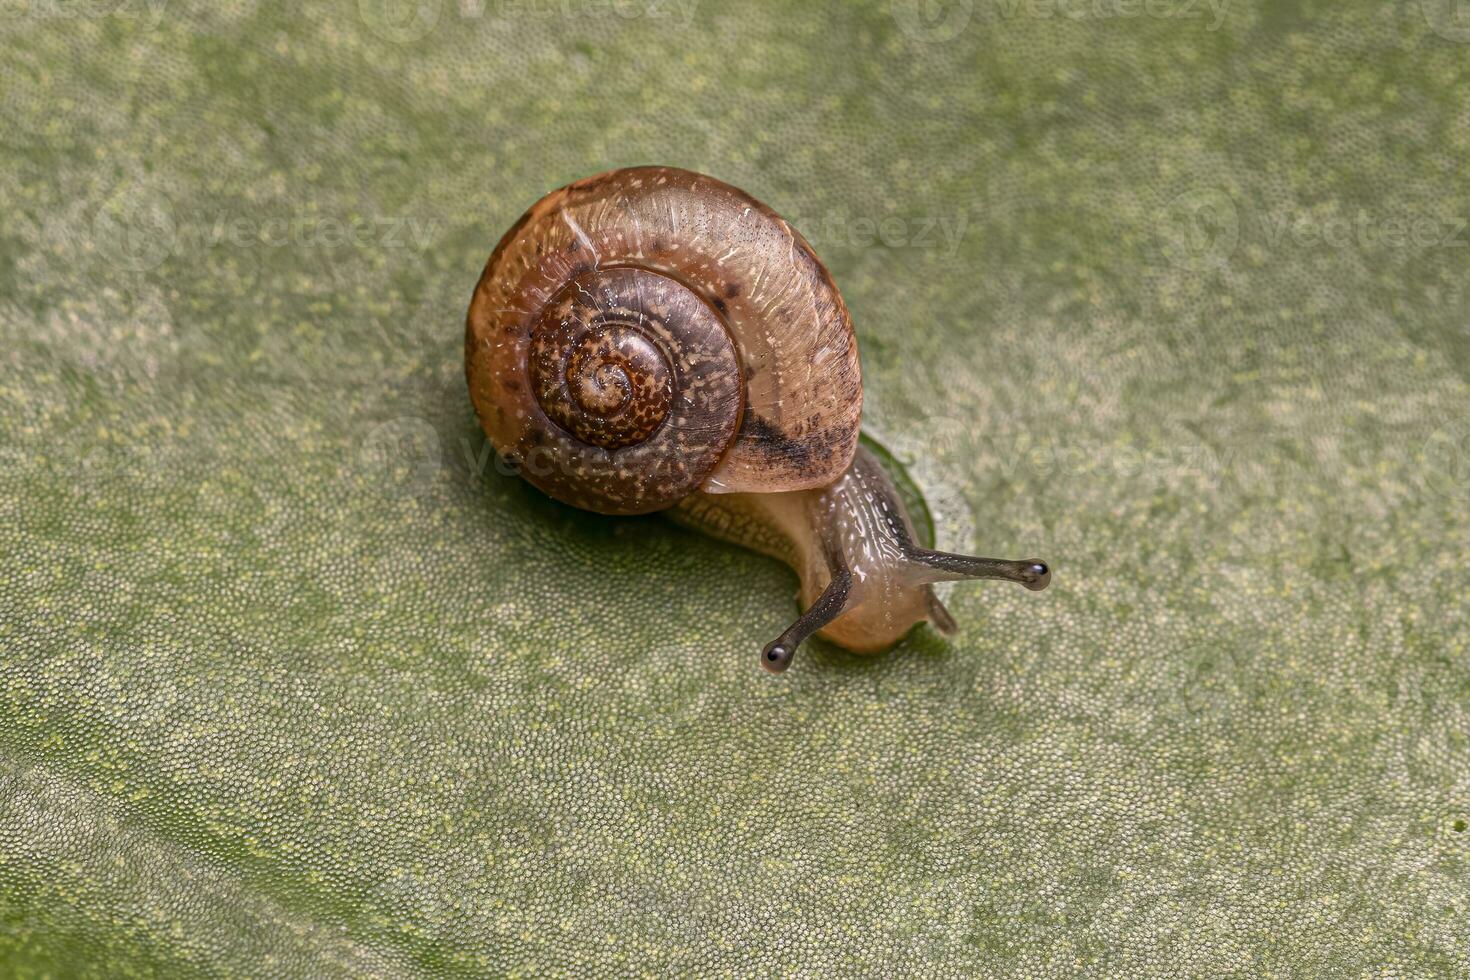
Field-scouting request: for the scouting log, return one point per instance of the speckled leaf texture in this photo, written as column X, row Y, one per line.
column 296, row 681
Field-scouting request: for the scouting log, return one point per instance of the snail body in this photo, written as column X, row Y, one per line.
column 652, row 339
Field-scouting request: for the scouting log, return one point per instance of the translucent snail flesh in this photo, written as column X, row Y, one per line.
column 653, row 339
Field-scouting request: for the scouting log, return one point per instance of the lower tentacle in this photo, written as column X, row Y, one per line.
column 777, row 655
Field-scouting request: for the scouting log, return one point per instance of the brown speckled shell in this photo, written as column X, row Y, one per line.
column 796, row 426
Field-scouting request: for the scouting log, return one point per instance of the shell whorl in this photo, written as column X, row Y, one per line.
column 639, row 390
column 648, row 332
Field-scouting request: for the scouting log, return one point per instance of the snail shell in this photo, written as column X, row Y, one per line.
column 652, row 339
column 649, row 332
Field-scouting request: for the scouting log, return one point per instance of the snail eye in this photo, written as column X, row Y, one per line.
column 776, row 657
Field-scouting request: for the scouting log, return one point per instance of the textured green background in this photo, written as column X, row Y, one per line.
column 292, row 681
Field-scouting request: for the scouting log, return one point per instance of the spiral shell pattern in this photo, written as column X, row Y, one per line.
column 650, row 332
column 640, row 388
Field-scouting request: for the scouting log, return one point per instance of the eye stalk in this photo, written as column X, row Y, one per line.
column 865, row 581
column 941, row 566
column 920, row 567
column 777, row 655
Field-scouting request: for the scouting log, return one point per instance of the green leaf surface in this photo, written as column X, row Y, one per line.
column 294, row 682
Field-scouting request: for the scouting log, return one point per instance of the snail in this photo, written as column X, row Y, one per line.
column 652, row 339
